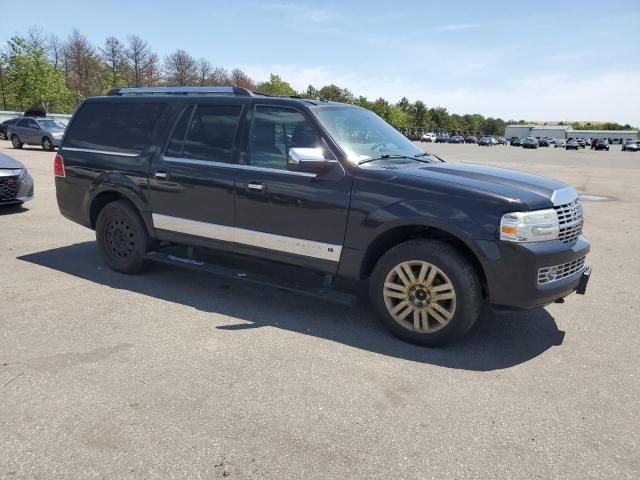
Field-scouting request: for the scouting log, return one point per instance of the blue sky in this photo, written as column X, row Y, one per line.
column 577, row 60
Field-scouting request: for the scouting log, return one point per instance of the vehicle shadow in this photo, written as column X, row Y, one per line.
column 12, row 209
column 497, row 342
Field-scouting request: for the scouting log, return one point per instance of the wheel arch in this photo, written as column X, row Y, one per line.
column 108, row 195
column 399, row 234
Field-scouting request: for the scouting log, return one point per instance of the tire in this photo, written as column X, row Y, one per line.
column 3, row 135
column 47, row 145
column 419, row 320
column 15, row 141
column 122, row 237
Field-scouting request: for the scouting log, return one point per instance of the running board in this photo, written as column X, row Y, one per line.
column 320, row 292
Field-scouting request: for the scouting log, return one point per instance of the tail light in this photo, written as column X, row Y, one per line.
column 58, row 166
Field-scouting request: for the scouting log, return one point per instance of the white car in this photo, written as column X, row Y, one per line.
column 428, row 137
column 560, row 143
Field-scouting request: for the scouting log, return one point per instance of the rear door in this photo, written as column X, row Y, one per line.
column 294, row 217
column 192, row 181
column 32, row 132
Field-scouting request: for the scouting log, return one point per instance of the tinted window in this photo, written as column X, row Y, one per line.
column 177, row 138
column 114, row 126
column 274, row 131
column 23, row 123
column 211, row 132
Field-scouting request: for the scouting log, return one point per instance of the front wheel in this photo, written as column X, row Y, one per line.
column 426, row 292
column 122, row 237
column 47, row 145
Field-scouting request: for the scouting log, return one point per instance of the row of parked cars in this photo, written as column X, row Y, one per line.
column 445, row 138
column 570, row 144
column 44, row 131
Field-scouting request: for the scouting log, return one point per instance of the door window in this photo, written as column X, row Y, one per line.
column 274, row 131
column 174, row 149
column 211, row 133
column 23, row 123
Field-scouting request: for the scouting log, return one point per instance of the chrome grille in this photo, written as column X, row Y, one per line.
column 8, row 188
column 571, row 219
column 558, row 272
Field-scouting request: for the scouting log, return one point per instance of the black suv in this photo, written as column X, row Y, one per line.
column 325, row 186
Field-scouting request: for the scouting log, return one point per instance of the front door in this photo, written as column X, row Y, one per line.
column 192, row 183
column 295, row 217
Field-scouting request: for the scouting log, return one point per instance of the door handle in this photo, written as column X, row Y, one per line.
column 161, row 175
column 255, row 186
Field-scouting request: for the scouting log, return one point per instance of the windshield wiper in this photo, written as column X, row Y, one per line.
column 383, row 157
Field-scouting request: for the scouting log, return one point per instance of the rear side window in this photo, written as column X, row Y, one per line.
column 211, row 133
column 177, row 137
column 119, row 127
column 23, row 123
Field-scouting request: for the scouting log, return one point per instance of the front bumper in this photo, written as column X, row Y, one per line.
column 513, row 280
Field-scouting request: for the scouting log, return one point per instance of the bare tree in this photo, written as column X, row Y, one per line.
column 153, row 72
column 55, row 47
column 240, row 79
column 37, row 38
column 205, row 69
column 113, row 56
column 180, row 69
column 83, row 67
column 219, row 76
column 138, row 59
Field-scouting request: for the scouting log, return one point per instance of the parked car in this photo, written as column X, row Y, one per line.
column 5, row 125
column 530, row 142
column 16, row 185
column 630, row 146
column 559, row 143
column 471, row 139
column 156, row 169
column 487, row 142
column 572, row 144
column 501, row 140
column 427, row 138
column 602, row 144
column 581, row 142
column 456, row 139
column 544, row 142
column 516, row 142
column 46, row 132
column 442, row 138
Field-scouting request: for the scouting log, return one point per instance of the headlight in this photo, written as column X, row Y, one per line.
column 57, row 135
column 23, row 174
column 535, row 226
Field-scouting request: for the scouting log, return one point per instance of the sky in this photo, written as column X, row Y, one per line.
column 540, row 61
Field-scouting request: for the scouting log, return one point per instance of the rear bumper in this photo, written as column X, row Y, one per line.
column 513, row 280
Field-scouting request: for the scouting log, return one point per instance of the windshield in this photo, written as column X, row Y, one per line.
column 362, row 134
column 50, row 123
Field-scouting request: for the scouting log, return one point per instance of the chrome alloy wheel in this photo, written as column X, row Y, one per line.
column 419, row 296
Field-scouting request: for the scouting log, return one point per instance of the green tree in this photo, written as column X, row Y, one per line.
column 336, row 94
column 277, row 86
column 31, row 79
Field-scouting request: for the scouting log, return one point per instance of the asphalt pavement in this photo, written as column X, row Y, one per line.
column 179, row 374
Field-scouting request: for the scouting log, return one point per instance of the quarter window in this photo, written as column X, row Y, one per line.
column 274, row 131
column 210, row 135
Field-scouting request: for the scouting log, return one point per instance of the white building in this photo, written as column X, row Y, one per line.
column 566, row 132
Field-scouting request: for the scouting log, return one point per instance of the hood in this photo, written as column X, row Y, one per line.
column 9, row 162
column 535, row 191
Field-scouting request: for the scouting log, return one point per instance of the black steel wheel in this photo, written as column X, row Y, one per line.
column 122, row 237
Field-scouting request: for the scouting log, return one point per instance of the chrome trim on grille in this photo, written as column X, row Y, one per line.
column 570, row 220
column 280, row 243
column 564, row 195
column 104, row 152
column 547, row 275
column 236, row 166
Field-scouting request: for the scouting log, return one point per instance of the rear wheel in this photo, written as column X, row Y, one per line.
column 47, row 145
column 15, row 141
column 122, row 237
column 426, row 292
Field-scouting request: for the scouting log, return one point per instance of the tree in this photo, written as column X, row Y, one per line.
column 204, row 69
column 113, row 55
column 311, row 92
column 180, row 69
column 33, row 81
column 420, row 114
column 404, row 104
column 219, row 77
column 276, row 86
column 336, row 94
column 240, row 79
column 84, row 69
column 139, row 60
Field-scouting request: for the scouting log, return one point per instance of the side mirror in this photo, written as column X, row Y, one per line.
column 308, row 160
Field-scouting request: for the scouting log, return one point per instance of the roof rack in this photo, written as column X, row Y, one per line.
column 226, row 91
